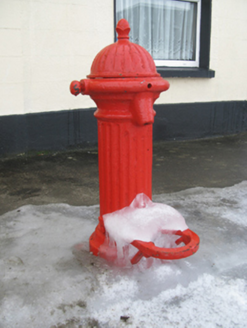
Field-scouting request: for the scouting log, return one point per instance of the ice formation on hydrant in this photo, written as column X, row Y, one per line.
column 143, row 220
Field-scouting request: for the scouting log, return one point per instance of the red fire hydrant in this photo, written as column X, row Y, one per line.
column 124, row 84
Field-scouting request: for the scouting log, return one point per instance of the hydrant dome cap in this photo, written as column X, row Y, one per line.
column 123, row 58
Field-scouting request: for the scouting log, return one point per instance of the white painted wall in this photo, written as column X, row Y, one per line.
column 45, row 44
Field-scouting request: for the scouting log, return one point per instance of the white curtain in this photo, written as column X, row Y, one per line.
column 165, row 28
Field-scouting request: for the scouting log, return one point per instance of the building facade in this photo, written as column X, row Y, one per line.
column 47, row 44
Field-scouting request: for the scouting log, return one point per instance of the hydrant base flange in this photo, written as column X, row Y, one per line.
column 99, row 246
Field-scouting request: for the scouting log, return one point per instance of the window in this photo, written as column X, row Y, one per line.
column 175, row 32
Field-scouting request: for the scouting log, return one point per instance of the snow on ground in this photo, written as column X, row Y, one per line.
column 46, row 283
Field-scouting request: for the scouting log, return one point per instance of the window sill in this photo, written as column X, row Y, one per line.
column 185, row 72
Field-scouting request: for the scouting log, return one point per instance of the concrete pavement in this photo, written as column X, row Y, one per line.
column 72, row 177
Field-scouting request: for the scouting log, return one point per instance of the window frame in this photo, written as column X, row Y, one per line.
column 186, row 63
column 201, row 70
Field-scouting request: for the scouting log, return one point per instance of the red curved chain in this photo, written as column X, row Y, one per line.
column 148, row 249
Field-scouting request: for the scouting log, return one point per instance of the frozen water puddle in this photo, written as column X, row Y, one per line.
column 44, row 282
column 142, row 220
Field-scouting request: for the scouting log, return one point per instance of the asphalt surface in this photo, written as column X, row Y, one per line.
column 72, row 177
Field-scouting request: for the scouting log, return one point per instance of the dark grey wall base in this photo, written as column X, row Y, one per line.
column 200, row 120
column 48, row 131
column 78, row 128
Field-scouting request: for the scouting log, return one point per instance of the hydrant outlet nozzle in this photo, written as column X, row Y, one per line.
column 77, row 87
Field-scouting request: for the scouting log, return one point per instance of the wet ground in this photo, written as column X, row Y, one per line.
column 47, row 282
column 72, row 177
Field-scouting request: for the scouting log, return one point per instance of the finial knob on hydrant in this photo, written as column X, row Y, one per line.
column 123, row 29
